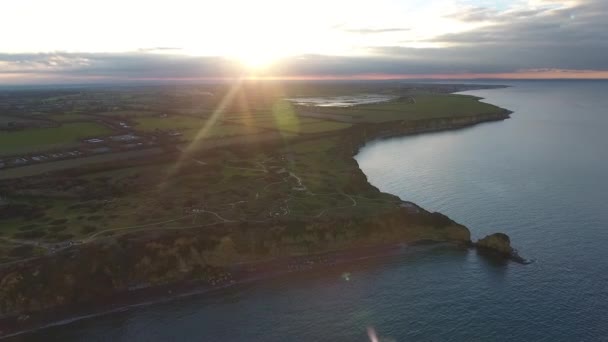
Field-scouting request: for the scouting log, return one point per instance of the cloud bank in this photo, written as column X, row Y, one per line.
column 548, row 38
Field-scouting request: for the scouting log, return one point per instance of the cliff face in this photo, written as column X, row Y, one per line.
column 92, row 272
column 392, row 129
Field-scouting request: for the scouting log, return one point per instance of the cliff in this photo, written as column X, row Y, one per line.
column 97, row 271
column 368, row 132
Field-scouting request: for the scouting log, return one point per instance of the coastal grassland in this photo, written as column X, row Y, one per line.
column 5, row 120
column 70, row 117
column 190, row 127
column 283, row 117
column 10, row 250
column 53, row 166
column 41, row 139
column 300, row 181
column 218, row 130
column 151, row 124
column 129, row 113
column 418, row 106
column 267, row 120
column 321, row 126
column 293, row 124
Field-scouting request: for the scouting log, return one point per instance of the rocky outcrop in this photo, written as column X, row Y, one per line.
column 99, row 271
column 499, row 245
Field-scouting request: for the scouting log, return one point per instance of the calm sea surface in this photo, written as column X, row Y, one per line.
column 541, row 177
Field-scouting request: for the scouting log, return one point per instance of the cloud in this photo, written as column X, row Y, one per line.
column 473, row 14
column 160, row 49
column 376, row 30
column 118, row 65
column 550, row 35
column 542, row 36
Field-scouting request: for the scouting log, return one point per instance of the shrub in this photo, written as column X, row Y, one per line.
column 88, row 229
column 56, row 229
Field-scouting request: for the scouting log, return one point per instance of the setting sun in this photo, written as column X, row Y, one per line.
column 257, row 60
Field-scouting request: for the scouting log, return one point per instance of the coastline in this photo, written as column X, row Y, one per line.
column 246, row 273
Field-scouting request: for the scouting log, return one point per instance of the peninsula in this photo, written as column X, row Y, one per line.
column 120, row 195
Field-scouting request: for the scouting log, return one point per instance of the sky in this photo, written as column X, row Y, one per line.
column 75, row 41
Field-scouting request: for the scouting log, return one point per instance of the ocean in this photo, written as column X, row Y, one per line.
column 540, row 177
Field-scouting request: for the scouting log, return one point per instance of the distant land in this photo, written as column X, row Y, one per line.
column 116, row 195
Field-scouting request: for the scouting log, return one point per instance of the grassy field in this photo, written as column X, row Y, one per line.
column 219, row 130
column 426, row 106
column 41, row 139
column 37, row 169
column 284, row 118
column 69, row 117
column 190, row 127
column 151, row 124
column 4, row 120
column 299, row 181
column 130, row 113
column 293, row 124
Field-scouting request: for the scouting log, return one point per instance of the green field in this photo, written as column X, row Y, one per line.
column 69, row 117
column 151, row 124
column 4, row 120
column 284, row 118
column 319, row 127
column 219, row 130
column 129, row 113
column 293, row 124
column 191, row 127
column 37, row 169
column 426, row 106
column 230, row 187
column 42, row 139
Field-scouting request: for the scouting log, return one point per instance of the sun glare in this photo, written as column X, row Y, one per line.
column 257, row 60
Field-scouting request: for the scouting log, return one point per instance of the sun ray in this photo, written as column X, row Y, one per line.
column 209, row 123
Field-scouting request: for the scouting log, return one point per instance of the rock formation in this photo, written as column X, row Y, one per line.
column 499, row 244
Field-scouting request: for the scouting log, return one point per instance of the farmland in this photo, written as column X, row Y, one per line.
column 40, row 139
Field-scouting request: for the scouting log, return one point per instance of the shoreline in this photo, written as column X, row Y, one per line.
column 259, row 270
column 244, row 274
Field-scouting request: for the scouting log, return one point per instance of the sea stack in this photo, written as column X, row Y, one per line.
column 499, row 244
